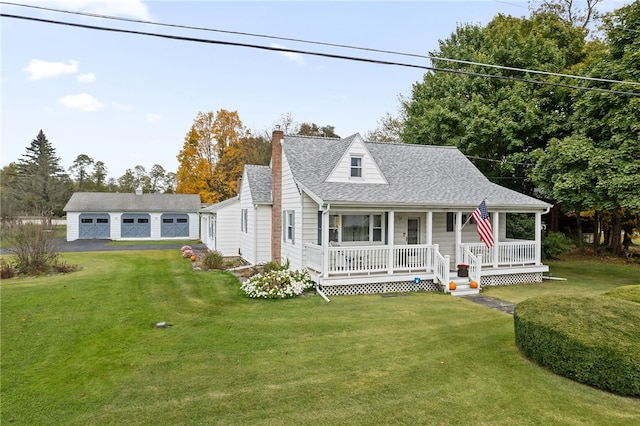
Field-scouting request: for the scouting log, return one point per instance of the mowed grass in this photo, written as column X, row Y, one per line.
column 580, row 277
column 83, row 349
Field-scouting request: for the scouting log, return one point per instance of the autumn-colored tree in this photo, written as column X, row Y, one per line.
column 247, row 150
column 205, row 144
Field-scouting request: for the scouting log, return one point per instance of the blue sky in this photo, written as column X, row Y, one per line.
column 130, row 100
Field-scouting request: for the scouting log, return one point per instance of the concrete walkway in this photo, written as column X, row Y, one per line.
column 499, row 305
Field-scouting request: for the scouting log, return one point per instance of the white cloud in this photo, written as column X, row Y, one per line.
column 152, row 117
column 82, row 102
column 129, row 8
column 121, row 107
column 295, row 57
column 38, row 69
column 86, row 78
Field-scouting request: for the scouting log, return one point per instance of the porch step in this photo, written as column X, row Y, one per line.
column 463, row 287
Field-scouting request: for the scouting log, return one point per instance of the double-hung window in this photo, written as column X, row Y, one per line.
column 289, row 226
column 356, row 167
column 244, row 221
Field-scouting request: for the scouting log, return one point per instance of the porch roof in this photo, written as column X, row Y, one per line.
column 417, row 175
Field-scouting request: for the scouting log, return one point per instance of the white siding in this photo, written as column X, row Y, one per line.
column 445, row 239
column 370, row 171
column 227, row 228
column 262, row 232
column 73, row 226
column 291, row 200
column 247, row 237
column 309, row 220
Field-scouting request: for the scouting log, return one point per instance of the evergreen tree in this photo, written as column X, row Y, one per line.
column 41, row 186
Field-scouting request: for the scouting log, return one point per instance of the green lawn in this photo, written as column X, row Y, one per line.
column 583, row 277
column 83, row 349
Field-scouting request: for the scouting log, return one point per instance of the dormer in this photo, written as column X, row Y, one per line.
column 356, row 165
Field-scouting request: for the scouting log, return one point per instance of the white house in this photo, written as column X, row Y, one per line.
column 122, row 216
column 219, row 224
column 367, row 217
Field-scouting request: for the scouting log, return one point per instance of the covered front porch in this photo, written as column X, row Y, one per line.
column 406, row 258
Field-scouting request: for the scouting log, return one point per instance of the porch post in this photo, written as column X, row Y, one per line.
column 390, row 232
column 429, row 227
column 538, row 235
column 458, row 237
column 496, row 232
column 325, row 242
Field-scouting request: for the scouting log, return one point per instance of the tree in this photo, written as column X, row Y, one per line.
column 389, row 129
column 312, row 129
column 156, row 178
column 99, row 176
column 204, row 144
column 127, row 182
column 497, row 122
column 8, row 203
column 607, row 126
column 80, row 170
column 41, row 186
column 568, row 10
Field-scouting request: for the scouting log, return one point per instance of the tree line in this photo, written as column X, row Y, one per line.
column 210, row 163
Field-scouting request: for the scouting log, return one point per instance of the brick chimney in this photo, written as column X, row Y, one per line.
column 276, row 194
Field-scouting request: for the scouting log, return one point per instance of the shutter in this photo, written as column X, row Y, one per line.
column 450, row 222
column 284, row 225
column 319, row 227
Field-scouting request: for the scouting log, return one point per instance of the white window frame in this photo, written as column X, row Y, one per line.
column 289, row 226
column 357, row 168
column 339, row 223
column 244, row 220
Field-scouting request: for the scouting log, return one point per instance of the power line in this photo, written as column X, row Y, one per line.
column 321, row 54
column 343, row 46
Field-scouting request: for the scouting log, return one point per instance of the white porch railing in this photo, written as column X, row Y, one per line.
column 370, row 259
column 509, row 253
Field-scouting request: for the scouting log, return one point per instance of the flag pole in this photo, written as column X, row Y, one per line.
column 469, row 218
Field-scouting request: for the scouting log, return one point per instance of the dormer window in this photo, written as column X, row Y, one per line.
column 356, row 167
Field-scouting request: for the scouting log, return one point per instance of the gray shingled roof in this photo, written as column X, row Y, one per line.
column 417, row 175
column 118, row 202
column 220, row 205
column 259, row 179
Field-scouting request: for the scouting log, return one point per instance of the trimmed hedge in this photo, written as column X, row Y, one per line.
column 593, row 340
column 627, row 292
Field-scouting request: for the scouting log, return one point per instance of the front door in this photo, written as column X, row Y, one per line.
column 413, row 230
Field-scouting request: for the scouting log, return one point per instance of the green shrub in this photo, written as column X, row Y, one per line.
column 593, row 340
column 6, row 270
column 275, row 266
column 213, row 260
column 554, row 244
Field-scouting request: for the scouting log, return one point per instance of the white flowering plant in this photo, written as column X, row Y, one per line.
column 277, row 284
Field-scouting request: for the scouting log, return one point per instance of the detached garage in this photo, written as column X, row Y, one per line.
column 116, row 216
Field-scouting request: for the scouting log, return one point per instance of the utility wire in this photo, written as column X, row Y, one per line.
column 326, row 55
column 343, row 46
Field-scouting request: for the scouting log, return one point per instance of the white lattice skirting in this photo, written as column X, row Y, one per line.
column 408, row 286
column 511, row 279
column 375, row 288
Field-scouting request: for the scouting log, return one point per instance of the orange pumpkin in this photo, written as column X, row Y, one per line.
column 193, row 258
column 473, row 284
column 452, row 286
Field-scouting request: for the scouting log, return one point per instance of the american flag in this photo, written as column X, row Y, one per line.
column 483, row 222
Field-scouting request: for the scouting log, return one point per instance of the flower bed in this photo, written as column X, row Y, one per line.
column 277, row 284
